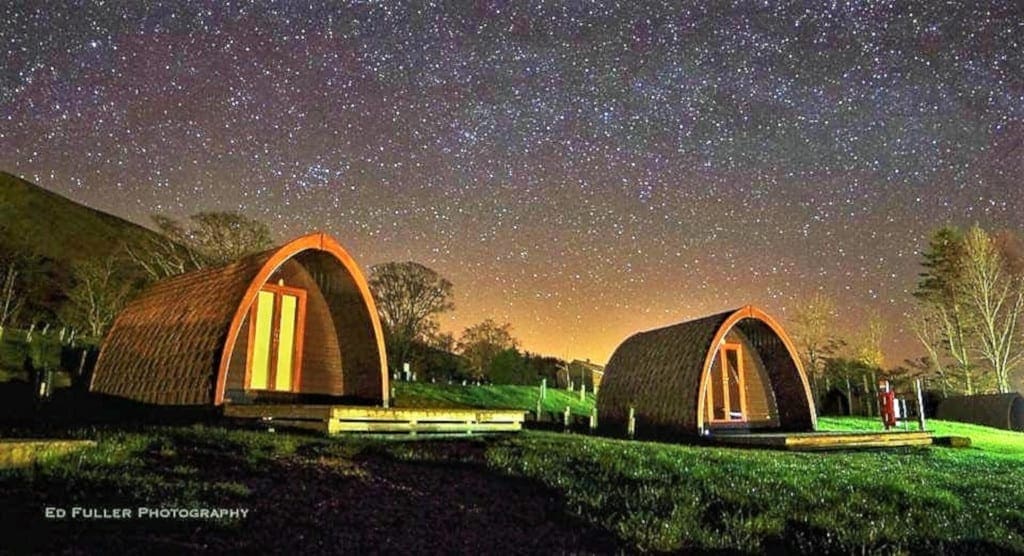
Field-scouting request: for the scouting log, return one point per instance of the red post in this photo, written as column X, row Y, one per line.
column 887, row 404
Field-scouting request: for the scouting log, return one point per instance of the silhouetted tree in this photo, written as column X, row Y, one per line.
column 205, row 239
column 945, row 317
column 813, row 329
column 100, row 292
column 482, row 342
column 994, row 291
column 409, row 298
column 510, row 367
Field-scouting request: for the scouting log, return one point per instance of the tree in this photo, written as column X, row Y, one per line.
column 940, row 294
column 100, row 292
column 11, row 299
column 868, row 349
column 510, row 367
column 995, row 294
column 162, row 256
column 27, row 286
column 924, row 322
column 205, row 239
column 482, row 342
column 409, row 298
column 869, row 342
column 543, row 366
column 813, row 331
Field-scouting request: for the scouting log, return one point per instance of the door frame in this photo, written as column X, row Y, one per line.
column 723, row 362
column 279, row 291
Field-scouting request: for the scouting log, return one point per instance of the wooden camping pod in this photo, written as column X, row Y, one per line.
column 188, row 340
column 1002, row 411
column 733, row 370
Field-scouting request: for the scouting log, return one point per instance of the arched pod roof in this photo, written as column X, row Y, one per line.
column 1003, row 411
column 662, row 373
column 172, row 345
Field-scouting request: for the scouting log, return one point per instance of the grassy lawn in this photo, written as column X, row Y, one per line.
column 423, row 394
column 985, row 441
column 527, row 493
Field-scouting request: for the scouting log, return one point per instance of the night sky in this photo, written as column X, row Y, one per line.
column 581, row 170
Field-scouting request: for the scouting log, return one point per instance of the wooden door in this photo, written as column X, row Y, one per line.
column 726, row 394
column 276, row 326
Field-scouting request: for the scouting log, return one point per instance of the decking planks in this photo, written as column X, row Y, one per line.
column 819, row 441
column 335, row 419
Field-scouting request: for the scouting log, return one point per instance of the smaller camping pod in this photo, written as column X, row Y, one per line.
column 1002, row 411
column 292, row 324
column 736, row 370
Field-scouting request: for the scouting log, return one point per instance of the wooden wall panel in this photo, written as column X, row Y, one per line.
column 761, row 408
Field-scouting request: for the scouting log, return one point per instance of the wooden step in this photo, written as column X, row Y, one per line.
column 816, row 441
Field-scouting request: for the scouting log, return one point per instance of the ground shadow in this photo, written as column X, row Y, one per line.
column 369, row 502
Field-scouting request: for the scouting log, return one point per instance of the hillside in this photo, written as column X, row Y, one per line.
column 41, row 222
column 55, row 232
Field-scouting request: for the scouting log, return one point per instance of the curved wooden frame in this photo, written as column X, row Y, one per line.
column 316, row 241
column 750, row 312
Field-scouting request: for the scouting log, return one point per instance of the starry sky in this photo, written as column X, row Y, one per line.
column 583, row 170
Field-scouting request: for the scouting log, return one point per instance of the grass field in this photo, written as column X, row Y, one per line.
column 423, row 394
column 528, row 493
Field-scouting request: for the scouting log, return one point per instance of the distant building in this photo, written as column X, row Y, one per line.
column 590, row 373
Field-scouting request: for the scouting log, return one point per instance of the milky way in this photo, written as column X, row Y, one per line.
column 582, row 171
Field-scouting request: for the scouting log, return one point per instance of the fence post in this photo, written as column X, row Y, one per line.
column 593, row 420
column 81, row 363
column 920, row 405
column 631, row 425
column 869, row 393
column 565, row 418
column 543, row 388
column 539, row 408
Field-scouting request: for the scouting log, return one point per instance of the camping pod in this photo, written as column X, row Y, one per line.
column 734, row 371
column 292, row 324
column 1002, row 411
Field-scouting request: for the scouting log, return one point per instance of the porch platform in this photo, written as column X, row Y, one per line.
column 336, row 419
column 824, row 440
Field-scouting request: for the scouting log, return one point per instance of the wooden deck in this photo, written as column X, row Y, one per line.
column 819, row 441
column 336, row 419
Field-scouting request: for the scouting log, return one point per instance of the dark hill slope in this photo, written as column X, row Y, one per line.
column 47, row 233
column 41, row 222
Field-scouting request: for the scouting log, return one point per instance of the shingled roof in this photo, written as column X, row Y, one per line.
column 172, row 345
column 662, row 374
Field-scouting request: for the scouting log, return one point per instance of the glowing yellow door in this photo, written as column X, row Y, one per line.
column 276, row 339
